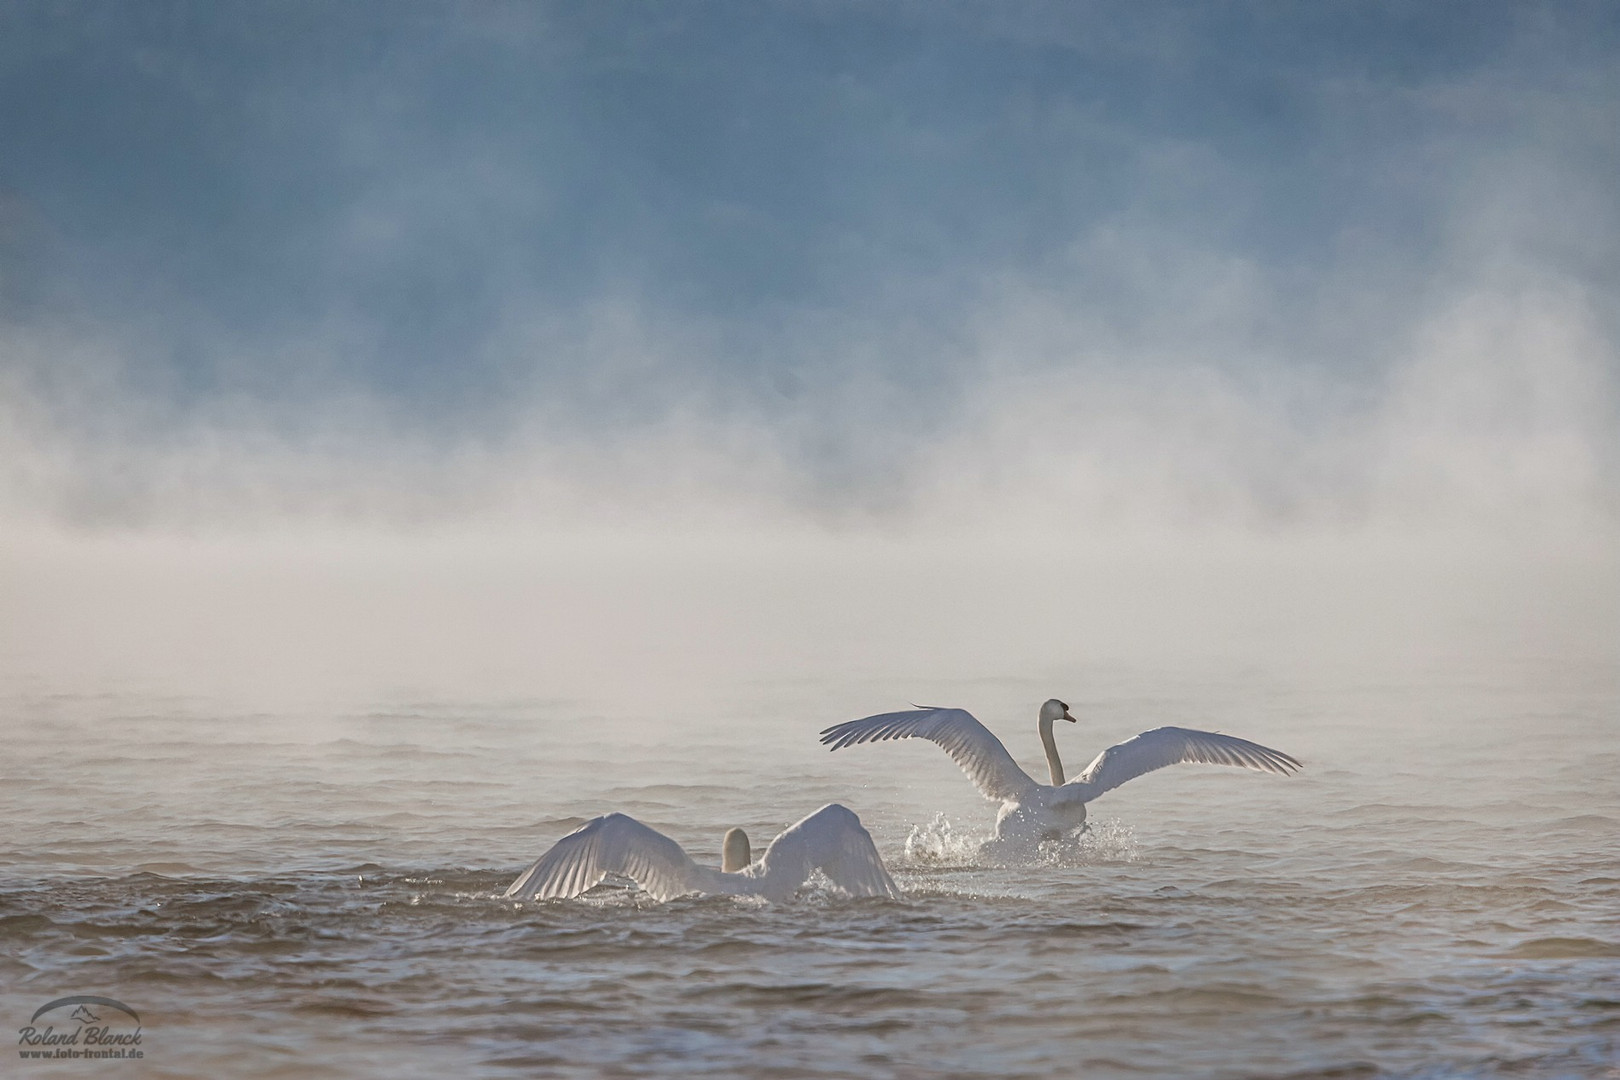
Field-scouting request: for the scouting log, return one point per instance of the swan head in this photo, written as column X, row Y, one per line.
column 1055, row 710
column 735, row 854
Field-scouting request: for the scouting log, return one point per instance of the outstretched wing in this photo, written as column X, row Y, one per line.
column 831, row 840
column 1172, row 746
column 613, row 844
column 970, row 744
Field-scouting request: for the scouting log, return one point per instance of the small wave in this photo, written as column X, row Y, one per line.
column 168, row 869
column 23, row 927
column 1596, row 822
column 1564, row 948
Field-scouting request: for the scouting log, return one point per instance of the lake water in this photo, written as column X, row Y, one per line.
column 317, row 891
column 292, row 894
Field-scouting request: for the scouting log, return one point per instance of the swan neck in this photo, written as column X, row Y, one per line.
column 1052, row 760
column 734, row 852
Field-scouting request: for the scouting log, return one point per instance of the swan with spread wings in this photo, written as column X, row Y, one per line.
column 1031, row 810
column 831, row 840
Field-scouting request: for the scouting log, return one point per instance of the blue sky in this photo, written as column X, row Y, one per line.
column 842, row 226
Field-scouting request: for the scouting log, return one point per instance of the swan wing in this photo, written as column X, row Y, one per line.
column 831, row 840
column 612, row 844
column 1173, row 746
column 970, row 744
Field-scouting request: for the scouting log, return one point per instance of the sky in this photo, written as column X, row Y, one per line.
column 857, row 263
column 1022, row 272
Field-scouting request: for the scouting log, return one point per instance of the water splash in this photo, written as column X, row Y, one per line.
column 1108, row 841
column 938, row 843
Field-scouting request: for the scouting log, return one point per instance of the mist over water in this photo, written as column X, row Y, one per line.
column 269, row 793
column 422, row 433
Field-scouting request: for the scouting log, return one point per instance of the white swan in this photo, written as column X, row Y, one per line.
column 831, row 840
column 1036, row 811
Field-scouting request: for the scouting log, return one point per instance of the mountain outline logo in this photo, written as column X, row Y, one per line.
column 83, row 1000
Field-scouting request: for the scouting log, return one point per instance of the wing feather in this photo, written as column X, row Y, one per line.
column 831, row 840
column 612, row 844
column 969, row 743
column 1174, row 746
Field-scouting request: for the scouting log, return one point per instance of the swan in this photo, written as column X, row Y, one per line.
column 1034, row 811
column 831, row 840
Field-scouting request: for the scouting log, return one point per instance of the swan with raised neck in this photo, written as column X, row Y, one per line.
column 1031, row 810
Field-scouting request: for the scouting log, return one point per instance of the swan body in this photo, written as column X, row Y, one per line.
column 831, row 840
column 1031, row 810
